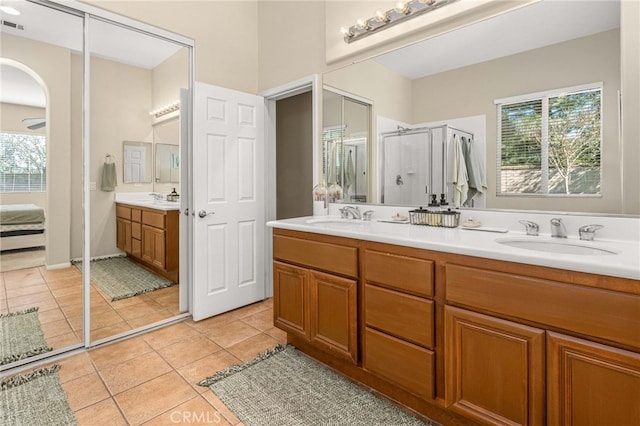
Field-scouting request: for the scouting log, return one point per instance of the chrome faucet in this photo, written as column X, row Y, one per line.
column 347, row 211
column 156, row 196
column 558, row 229
column 587, row 232
column 531, row 227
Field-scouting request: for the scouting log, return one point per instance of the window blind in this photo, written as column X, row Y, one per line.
column 23, row 160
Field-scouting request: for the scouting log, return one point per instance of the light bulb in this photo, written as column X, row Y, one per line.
column 381, row 16
column 362, row 24
column 401, row 7
column 344, row 31
column 10, row 10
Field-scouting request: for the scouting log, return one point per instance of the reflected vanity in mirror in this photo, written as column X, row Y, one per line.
column 137, row 162
column 448, row 80
column 167, row 163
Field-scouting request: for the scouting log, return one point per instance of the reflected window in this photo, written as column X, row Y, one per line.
column 550, row 144
column 23, row 160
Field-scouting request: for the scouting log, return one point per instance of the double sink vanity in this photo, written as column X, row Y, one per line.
column 148, row 229
column 470, row 326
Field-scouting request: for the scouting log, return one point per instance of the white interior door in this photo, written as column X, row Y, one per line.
column 228, row 200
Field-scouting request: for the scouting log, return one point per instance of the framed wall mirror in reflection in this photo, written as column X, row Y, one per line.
column 137, row 162
column 167, row 163
column 462, row 78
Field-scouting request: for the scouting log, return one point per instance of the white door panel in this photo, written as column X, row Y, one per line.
column 228, row 149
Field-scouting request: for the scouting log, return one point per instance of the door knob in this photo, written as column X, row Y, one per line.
column 203, row 213
column 186, row 211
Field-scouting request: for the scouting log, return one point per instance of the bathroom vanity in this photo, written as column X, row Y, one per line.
column 150, row 235
column 461, row 328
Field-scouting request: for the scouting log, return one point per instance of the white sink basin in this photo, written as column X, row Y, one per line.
column 334, row 222
column 557, row 245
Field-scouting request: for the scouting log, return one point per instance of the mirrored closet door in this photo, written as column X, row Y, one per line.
column 134, row 174
column 41, row 221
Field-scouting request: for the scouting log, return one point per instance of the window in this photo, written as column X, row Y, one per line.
column 550, row 143
column 23, row 160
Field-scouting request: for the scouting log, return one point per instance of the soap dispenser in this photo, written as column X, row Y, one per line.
column 173, row 196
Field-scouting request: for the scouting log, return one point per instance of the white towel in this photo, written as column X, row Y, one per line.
column 457, row 172
column 350, row 174
column 475, row 171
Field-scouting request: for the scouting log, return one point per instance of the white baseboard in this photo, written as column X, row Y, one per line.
column 58, row 266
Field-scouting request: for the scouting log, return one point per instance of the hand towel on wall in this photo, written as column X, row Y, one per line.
column 109, row 177
column 350, row 175
column 475, row 171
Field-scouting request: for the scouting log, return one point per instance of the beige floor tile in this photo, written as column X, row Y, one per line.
column 249, row 348
column 76, row 323
column 252, row 309
column 262, row 320
column 26, row 291
column 169, row 335
column 104, row 319
column 74, row 367
column 187, row 351
column 66, row 291
column 129, row 301
column 85, row 391
column 277, row 334
column 42, row 305
column 102, row 413
column 56, row 328
column 131, row 373
column 70, row 299
column 220, row 407
column 150, row 399
column 60, row 274
column 110, row 330
column 31, row 299
column 157, row 315
column 206, row 367
column 73, row 310
column 50, row 315
column 119, row 352
column 23, row 278
column 138, row 310
column 64, row 340
column 196, row 411
column 232, row 333
column 75, row 282
column 213, row 323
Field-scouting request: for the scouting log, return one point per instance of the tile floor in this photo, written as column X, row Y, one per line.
column 58, row 294
column 152, row 378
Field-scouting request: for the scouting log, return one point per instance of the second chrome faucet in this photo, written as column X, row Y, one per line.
column 558, row 229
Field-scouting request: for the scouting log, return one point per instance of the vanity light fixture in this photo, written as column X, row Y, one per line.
column 159, row 112
column 401, row 11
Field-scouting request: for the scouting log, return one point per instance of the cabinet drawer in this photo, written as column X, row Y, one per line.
column 402, row 272
column 324, row 256
column 406, row 365
column 153, row 219
column 123, row 212
column 136, row 230
column 402, row 315
column 589, row 311
column 136, row 215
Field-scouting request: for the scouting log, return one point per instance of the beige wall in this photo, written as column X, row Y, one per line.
column 57, row 84
column 11, row 116
column 471, row 91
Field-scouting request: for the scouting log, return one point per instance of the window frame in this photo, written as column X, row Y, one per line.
column 544, row 96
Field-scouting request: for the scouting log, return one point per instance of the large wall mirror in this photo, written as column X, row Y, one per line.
column 41, row 291
column 456, row 79
column 67, row 181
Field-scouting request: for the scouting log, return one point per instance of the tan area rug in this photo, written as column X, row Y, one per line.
column 12, row 260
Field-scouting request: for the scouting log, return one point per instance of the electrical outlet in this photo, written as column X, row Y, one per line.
column 92, row 186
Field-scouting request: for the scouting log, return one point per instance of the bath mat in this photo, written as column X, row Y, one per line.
column 121, row 278
column 35, row 399
column 283, row 387
column 21, row 336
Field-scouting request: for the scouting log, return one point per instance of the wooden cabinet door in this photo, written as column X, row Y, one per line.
column 494, row 369
column 333, row 310
column 123, row 234
column 590, row 383
column 153, row 250
column 291, row 299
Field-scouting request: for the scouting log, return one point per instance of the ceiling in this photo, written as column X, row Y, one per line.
column 540, row 24
column 66, row 30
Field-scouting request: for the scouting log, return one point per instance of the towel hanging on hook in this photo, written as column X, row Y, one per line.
column 108, row 158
